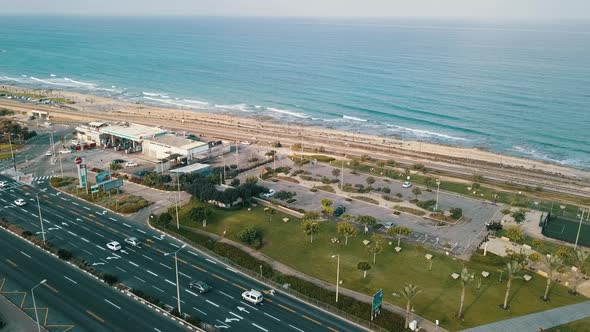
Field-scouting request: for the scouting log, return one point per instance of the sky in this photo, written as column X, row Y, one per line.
column 501, row 9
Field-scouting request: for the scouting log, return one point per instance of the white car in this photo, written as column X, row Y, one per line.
column 252, row 296
column 20, row 202
column 65, row 151
column 406, row 184
column 388, row 225
column 269, row 194
column 48, row 153
column 114, row 245
column 133, row 241
column 3, row 184
column 130, row 164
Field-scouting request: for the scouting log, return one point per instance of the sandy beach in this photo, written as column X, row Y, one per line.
column 470, row 160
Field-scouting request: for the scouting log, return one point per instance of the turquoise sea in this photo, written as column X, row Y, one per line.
column 520, row 88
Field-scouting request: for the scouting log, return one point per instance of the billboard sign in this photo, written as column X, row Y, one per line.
column 82, row 175
column 111, row 184
column 377, row 303
column 103, row 176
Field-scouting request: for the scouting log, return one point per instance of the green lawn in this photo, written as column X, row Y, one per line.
column 287, row 243
column 4, row 155
column 582, row 325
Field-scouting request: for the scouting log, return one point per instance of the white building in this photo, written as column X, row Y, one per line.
column 164, row 146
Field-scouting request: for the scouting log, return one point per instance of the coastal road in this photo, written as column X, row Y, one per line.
column 84, row 230
column 70, row 299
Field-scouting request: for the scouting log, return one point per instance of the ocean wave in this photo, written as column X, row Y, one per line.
column 236, row 107
column 198, row 102
column 52, row 75
column 151, row 94
column 172, row 102
column 50, row 82
column 286, row 112
column 530, row 152
column 424, row 133
column 80, row 83
column 354, row 118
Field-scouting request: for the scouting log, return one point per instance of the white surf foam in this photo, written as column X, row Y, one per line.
column 198, row 102
column 286, row 112
column 52, row 75
column 172, row 102
column 151, row 94
column 236, row 107
column 79, row 83
column 353, row 118
column 424, row 133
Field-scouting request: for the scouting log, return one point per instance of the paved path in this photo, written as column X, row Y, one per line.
column 541, row 320
column 15, row 319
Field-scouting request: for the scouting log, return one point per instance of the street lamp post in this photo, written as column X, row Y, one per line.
column 437, row 190
column 580, row 227
column 12, row 152
column 337, row 274
column 35, row 304
column 177, row 285
column 40, row 219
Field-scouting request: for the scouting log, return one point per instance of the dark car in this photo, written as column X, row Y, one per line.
column 339, row 211
column 118, row 161
column 143, row 173
column 200, row 286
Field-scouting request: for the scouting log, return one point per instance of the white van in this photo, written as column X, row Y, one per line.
column 252, row 296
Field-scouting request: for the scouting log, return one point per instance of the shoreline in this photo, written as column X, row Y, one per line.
column 263, row 128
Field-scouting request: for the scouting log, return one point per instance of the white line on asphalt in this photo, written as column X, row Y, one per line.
column 240, row 317
column 246, row 304
column 111, row 303
column 127, row 225
column 298, row 329
column 170, row 282
column 3, row 200
column 34, row 215
column 152, row 273
column 131, row 250
column 105, row 261
column 25, row 254
column 188, row 291
column 25, row 211
column 172, row 244
column 260, row 327
column 229, row 268
column 87, row 208
column 138, row 278
column 76, row 204
column 86, row 228
column 85, row 240
column 139, row 230
column 231, row 297
column 157, row 329
column 201, row 311
column 208, row 260
column 130, row 262
column 185, row 275
column 192, row 253
column 99, row 234
column 166, row 266
column 113, row 219
column 72, row 234
column 222, row 323
column 88, row 252
column 74, row 245
column 63, row 198
column 212, row 303
column 147, row 257
column 70, row 280
column 120, row 269
column 158, row 288
column 155, row 237
column 181, row 301
column 271, row 316
column 59, row 237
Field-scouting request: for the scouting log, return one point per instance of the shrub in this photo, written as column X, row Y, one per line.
column 235, row 182
column 27, row 233
column 336, row 172
column 391, row 199
column 110, row 278
column 248, row 234
column 147, row 297
column 64, row 254
column 494, row 226
column 164, row 219
column 386, row 190
column 426, row 205
column 243, row 259
column 313, row 190
column 366, row 199
column 456, row 213
column 399, row 195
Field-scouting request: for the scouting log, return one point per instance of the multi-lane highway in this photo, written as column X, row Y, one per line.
column 85, row 230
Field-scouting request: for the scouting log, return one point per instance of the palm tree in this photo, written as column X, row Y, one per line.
column 513, row 268
column 581, row 258
column 552, row 263
column 376, row 246
column 364, row 266
column 465, row 278
column 409, row 292
column 310, row 228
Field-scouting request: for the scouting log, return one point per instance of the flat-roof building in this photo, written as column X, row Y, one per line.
column 164, row 146
column 193, row 168
column 128, row 136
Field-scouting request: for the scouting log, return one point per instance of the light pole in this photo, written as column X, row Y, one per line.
column 337, row 274
column 580, row 226
column 177, row 285
column 12, row 152
column 178, row 202
column 35, row 304
column 40, row 218
column 437, row 190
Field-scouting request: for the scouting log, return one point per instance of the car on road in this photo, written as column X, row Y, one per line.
column 118, row 161
column 48, row 153
column 64, row 151
column 406, row 184
column 338, row 211
column 200, row 286
column 133, row 241
column 3, row 184
column 143, row 173
column 20, row 202
column 131, row 164
column 269, row 194
column 252, row 296
column 114, row 246
column 388, row 225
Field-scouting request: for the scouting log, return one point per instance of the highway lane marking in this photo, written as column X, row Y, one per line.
column 34, row 215
column 11, row 262
column 155, row 237
column 95, row 316
column 231, row 297
column 63, row 199
column 130, row 262
column 101, row 248
column 25, row 211
column 88, row 252
column 73, row 234
column 73, row 244
column 311, row 320
column 170, row 282
column 3, row 200
column 139, row 230
column 240, row 287
column 212, row 303
column 151, row 259
column 188, row 291
column 286, row 308
column 87, row 208
column 152, row 273
column 218, row 277
column 85, row 240
column 86, row 228
column 229, row 268
column 85, row 217
column 114, row 230
column 247, row 305
column 158, row 289
column 120, row 269
column 124, row 224
column 204, row 313
column 172, row 244
column 76, row 204
column 260, row 327
column 71, row 280
column 271, row 316
column 113, row 219
column 298, row 329
column 208, row 260
column 25, row 254
column 138, row 278
column 186, row 275
column 182, row 260
column 53, row 289
column 181, row 301
column 222, row 324
column 100, row 235
column 155, row 328
column 166, row 266
column 59, row 237
column 331, row 329
column 98, row 223
column 192, row 253
column 111, row 303
column 235, row 315
column 198, row 268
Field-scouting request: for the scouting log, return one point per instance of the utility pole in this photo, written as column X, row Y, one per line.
column 12, row 152
column 580, row 227
column 40, row 219
column 177, row 202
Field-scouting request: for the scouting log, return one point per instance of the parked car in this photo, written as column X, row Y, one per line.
column 407, row 184
column 269, row 194
column 114, row 246
column 48, row 153
column 143, row 173
column 200, row 286
column 338, row 211
column 388, row 225
column 131, row 164
column 20, row 202
column 133, row 241
column 118, row 161
column 252, row 296
column 3, row 184
column 65, row 151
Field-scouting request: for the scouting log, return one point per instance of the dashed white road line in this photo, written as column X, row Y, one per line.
column 152, row 273
column 139, row 230
column 271, row 316
column 87, row 208
column 186, row 275
column 201, row 311
column 120, row 269
column 151, row 259
column 157, row 329
column 170, row 282
column 208, row 260
column 85, row 240
column 86, row 228
column 71, row 280
column 249, row 306
column 113, row 219
column 111, row 303
column 25, row 211
column 25, row 254
column 99, row 235
column 158, row 289
column 298, row 329
column 73, row 234
column 260, row 327
column 235, row 315
column 130, row 262
column 76, row 204
column 101, row 248
column 172, row 244
column 231, row 297
column 88, row 252
column 217, row 305
column 166, row 266
column 192, row 253
column 190, row 292
column 138, row 278
column 127, row 225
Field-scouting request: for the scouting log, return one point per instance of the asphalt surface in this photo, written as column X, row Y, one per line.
column 85, row 229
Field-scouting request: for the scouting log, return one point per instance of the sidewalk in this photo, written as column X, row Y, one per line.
column 541, row 320
column 15, row 319
column 422, row 322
